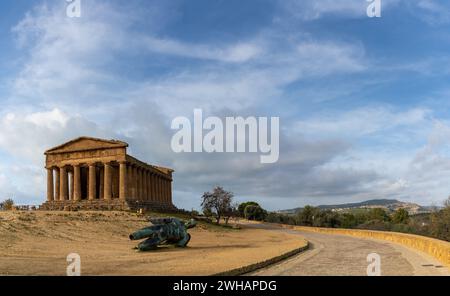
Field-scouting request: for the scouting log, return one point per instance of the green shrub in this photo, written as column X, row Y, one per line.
column 253, row 212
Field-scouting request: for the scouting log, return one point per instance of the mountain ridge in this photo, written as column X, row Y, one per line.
column 387, row 204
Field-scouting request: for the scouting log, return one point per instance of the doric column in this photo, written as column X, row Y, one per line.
column 92, row 182
column 123, row 180
column 163, row 190
column 169, row 201
column 129, row 181
column 133, row 182
column 76, row 183
column 101, row 186
column 136, row 183
column 57, row 185
column 152, row 186
column 50, row 188
column 139, row 181
column 166, row 191
column 149, row 189
column 63, row 183
column 142, row 184
column 107, row 182
column 115, row 182
column 71, row 186
column 155, row 187
column 158, row 187
column 145, row 183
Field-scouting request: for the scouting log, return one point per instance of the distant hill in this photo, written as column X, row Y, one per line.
column 388, row 204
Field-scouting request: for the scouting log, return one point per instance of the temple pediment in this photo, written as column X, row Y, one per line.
column 86, row 143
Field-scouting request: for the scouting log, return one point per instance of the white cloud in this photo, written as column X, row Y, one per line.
column 309, row 10
column 27, row 135
column 363, row 122
column 237, row 53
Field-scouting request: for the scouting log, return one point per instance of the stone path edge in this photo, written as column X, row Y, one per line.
column 255, row 266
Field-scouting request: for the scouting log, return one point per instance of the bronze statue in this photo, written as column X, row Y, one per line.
column 164, row 231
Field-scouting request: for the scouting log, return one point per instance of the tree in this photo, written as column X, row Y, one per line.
column 243, row 205
column 217, row 202
column 306, row 216
column 440, row 222
column 401, row 216
column 326, row 218
column 231, row 211
column 348, row 220
column 7, row 205
column 253, row 212
column 378, row 214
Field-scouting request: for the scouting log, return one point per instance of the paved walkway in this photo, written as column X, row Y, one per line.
column 346, row 255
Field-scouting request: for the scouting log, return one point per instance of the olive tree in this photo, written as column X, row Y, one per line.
column 218, row 202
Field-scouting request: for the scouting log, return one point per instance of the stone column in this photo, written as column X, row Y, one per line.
column 158, row 187
column 92, row 182
column 115, row 181
column 155, row 187
column 149, row 189
column 142, row 174
column 129, row 183
column 162, row 189
column 50, row 187
column 71, row 186
column 57, row 185
column 139, row 183
column 123, row 181
column 169, row 201
column 145, row 183
column 107, row 182
column 101, row 186
column 133, row 182
column 136, row 182
column 166, row 191
column 63, row 183
column 151, row 186
column 76, row 183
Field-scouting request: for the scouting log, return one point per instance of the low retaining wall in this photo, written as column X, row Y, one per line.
column 436, row 248
column 265, row 263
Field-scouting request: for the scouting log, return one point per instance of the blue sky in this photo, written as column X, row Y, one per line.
column 363, row 102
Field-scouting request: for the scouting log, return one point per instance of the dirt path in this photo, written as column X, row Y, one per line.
column 345, row 255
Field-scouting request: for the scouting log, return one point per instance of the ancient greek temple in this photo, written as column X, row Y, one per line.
column 96, row 174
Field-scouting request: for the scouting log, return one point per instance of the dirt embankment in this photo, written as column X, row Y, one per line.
column 37, row 243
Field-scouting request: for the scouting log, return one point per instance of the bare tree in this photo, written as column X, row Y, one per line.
column 7, row 205
column 218, row 202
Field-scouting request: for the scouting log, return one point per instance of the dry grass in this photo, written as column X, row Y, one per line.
column 37, row 243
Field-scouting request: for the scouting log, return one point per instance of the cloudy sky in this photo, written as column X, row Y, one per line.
column 363, row 102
